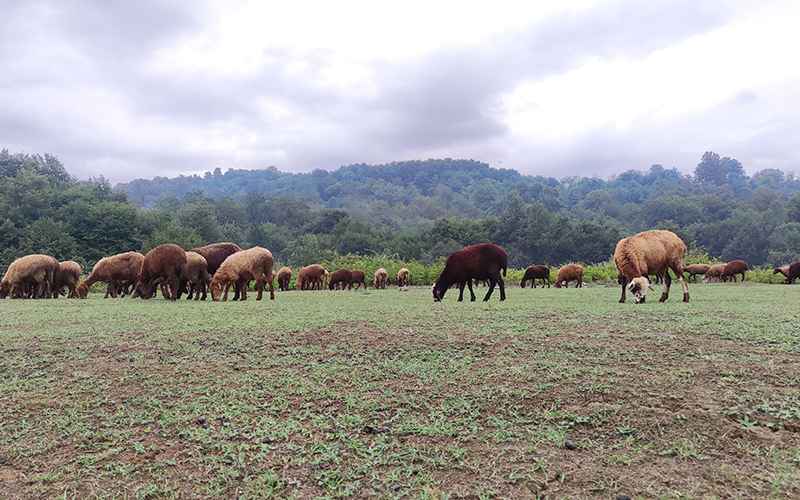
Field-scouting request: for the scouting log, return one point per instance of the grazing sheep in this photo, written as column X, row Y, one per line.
column 195, row 276
column 403, row 277
column 30, row 276
column 570, row 272
column 119, row 271
column 165, row 264
column 380, row 279
column 241, row 267
column 650, row 252
column 215, row 254
column 357, row 278
column 733, row 268
column 536, row 272
column 694, row 269
column 311, row 277
column 791, row 271
column 714, row 273
column 67, row 276
column 481, row 261
column 284, row 277
column 341, row 278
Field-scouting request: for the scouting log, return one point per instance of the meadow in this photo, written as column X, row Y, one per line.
column 559, row 393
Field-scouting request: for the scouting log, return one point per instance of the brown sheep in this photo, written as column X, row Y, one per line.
column 357, row 278
column 119, row 271
column 284, row 277
column 241, row 267
column 341, row 279
column 30, row 276
column 650, row 252
column 714, row 273
column 380, row 279
column 67, row 276
column 403, row 277
column 195, row 276
column 733, row 268
column 536, row 272
column 791, row 271
column 311, row 277
column 570, row 272
column 215, row 254
column 481, row 261
column 694, row 269
column 165, row 264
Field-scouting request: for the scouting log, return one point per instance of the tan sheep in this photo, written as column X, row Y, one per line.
column 650, row 252
column 570, row 272
column 30, row 276
column 241, row 267
column 311, row 277
column 195, row 276
column 380, row 278
column 284, row 277
column 119, row 271
column 403, row 277
column 714, row 273
column 67, row 276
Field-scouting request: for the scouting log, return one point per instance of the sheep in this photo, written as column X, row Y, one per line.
column 694, row 269
column 714, row 272
column 358, row 278
column 30, row 276
column 536, row 272
column 195, row 276
column 311, row 277
column 650, row 252
column 241, row 267
column 165, row 264
column 215, row 254
column 733, row 268
column 119, row 271
column 380, row 279
column 570, row 272
column 67, row 276
column 481, row 261
column 791, row 271
column 341, row 278
column 284, row 277
column 403, row 277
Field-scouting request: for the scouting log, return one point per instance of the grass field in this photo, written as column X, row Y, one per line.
column 564, row 393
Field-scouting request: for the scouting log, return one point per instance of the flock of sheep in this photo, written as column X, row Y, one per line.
column 219, row 266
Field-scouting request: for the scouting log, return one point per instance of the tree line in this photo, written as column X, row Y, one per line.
column 420, row 210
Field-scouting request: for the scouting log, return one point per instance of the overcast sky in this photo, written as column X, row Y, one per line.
column 130, row 89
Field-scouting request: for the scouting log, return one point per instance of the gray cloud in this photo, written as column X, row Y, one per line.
column 78, row 84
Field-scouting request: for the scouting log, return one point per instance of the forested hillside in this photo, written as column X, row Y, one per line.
column 415, row 210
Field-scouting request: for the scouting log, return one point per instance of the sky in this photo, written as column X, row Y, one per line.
column 587, row 87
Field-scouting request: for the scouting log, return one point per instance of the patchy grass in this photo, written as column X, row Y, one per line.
column 563, row 393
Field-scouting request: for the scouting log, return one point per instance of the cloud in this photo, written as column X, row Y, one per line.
column 129, row 90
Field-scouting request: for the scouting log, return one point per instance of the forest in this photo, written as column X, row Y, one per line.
column 417, row 210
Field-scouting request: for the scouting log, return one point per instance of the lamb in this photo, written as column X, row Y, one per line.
column 284, row 277
column 733, row 268
column 791, row 271
column 403, row 277
column 165, row 264
column 536, row 272
column 650, row 252
column 118, row 271
column 67, row 276
column 311, row 277
column 570, row 272
column 694, row 269
column 241, row 267
column 357, row 278
column 30, row 276
column 481, row 261
column 380, row 279
column 195, row 276
column 341, row 278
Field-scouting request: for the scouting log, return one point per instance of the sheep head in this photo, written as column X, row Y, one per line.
column 639, row 287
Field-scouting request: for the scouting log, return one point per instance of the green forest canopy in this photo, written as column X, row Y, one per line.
column 419, row 210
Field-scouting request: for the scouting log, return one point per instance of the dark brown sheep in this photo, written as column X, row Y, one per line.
column 357, row 278
column 481, row 261
column 165, row 264
column 341, row 279
column 119, row 271
column 536, row 272
column 284, row 277
column 30, row 276
column 380, row 279
column 646, row 253
column 570, row 272
column 696, row 269
column 241, row 267
column 791, row 271
column 67, row 276
column 733, row 268
column 311, row 277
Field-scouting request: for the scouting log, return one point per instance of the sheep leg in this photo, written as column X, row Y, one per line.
column 502, row 288
column 492, row 283
column 471, row 293
column 461, row 290
column 667, row 283
column 623, row 283
column 271, row 291
column 259, row 288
